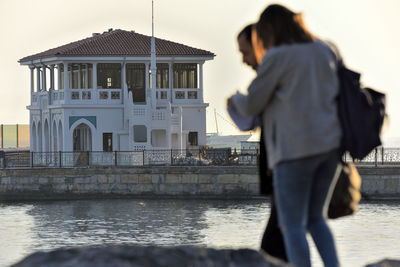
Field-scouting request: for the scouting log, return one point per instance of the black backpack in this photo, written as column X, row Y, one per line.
column 361, row 112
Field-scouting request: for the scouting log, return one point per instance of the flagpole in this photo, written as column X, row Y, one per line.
column 153, row 66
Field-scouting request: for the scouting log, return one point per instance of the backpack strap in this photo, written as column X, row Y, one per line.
column 335, row 51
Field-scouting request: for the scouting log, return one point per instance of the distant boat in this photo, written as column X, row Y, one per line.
column 215, row 140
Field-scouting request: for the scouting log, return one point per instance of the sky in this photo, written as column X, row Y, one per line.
column 366, row 32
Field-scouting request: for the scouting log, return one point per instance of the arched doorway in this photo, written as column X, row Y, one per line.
column 82, row 138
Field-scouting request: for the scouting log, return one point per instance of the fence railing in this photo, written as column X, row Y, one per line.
column 188, row 157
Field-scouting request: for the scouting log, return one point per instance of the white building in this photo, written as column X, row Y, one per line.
column 95, row 94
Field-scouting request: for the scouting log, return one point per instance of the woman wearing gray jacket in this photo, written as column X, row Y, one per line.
column 295, row 91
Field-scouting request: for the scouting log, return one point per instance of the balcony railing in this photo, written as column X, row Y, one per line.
column 79, row 96
column 114, row 96
column 186, row 95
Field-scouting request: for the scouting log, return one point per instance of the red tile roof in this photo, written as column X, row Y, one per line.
column 119, row 43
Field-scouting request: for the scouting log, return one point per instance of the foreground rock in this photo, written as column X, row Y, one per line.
column 385, row 263
column 135, row 256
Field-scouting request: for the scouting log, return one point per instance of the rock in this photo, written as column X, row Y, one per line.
column 385, row 263
column 151, row 256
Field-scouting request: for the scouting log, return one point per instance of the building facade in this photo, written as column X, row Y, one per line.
column 97, row 94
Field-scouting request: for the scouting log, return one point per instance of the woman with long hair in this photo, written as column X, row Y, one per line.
column 295, row 91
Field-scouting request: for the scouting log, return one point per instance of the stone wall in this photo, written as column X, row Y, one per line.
column 380, row 182
column 165, row 181
column 129, row 182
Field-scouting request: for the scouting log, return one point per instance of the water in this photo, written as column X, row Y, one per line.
column 372, row 234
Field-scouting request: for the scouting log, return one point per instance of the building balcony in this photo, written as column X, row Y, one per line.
column 78, row 96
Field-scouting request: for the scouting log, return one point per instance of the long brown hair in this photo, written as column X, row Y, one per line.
column 278, row 25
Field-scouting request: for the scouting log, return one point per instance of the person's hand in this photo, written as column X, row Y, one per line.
column 229, row 102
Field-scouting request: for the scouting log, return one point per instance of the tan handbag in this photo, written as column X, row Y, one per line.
column 346, row 195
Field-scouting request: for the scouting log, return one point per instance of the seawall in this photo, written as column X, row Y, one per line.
column 162, row 181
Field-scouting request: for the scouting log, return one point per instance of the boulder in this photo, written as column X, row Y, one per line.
column 148, row 256
column 385, row 263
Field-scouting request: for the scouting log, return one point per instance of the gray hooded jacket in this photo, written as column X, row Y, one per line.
column 295, row 91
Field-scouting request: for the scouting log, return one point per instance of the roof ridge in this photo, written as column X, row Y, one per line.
column 91, row 39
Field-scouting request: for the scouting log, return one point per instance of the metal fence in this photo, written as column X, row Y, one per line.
column 188, row 157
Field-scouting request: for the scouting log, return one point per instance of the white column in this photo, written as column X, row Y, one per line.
column 65, row 76
column 32, row 79
column 51, row 136
column 149, row 133
column 170, row 84
column 130, row 136
column 31, row 142
column 180, row 134
column 52, row 77
column 87, row 76
column 38, row 139
column 59, row 77
column 79, row 76
column 200, row 96
column 38, row 87
column 94, row 82
column 179, row 140
column 44, row 87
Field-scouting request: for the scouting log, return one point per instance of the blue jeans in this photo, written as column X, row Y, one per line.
column 302, row 188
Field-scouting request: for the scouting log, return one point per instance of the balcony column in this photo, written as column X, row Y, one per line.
column 59, row 77
column 44, row 87
column 65, row 76
column 94, row 82
column 52, row 77
column 38, row 79
column 170, row 84
column 200, row 96
column 79, row 76
column 87, row 76
column 32, row 79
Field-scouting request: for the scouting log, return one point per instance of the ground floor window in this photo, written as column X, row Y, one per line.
column 107, row 142
column 193, row 138
column 140, row 133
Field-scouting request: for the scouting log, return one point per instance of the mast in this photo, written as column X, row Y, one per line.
column 153, row 67
column 216, row 123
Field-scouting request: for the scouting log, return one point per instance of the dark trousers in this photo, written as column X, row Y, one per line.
column 272, row 241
